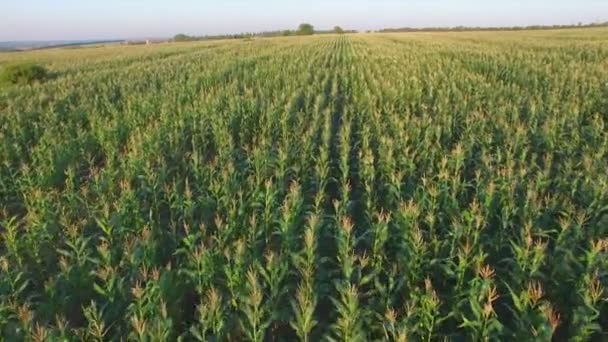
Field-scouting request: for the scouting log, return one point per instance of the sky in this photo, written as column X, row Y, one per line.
column 123, row 19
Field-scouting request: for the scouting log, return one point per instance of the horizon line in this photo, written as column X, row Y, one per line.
column 420, row 28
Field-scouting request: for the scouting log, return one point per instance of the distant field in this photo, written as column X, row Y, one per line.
column 407, row 186
column 33, row 45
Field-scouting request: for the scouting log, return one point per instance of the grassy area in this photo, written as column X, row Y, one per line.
column 408, row 186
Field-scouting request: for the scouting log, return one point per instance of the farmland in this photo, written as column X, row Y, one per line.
column 417, row 186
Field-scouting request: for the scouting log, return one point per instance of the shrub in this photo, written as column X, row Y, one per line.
column 23, row 74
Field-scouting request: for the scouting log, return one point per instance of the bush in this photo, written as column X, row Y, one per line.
column 23, row 74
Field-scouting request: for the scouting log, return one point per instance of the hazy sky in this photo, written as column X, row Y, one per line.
column 105, row 19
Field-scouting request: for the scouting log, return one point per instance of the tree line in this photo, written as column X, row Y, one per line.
column 304, row 29
column 497, row 28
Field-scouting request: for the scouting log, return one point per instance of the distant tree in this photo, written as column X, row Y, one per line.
column 182, row 38
column 306, row 29
column 338, row 30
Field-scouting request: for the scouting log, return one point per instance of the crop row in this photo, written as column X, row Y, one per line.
column 348, row 188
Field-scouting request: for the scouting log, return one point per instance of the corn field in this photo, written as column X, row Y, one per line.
column 392, row 187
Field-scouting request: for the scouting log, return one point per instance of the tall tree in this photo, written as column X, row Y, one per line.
column 306, row 29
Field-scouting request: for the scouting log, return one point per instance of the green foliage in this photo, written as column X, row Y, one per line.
column 305, row 29
column 349, row 188
column 338, row 30
column 23, row 73
column 180, row 37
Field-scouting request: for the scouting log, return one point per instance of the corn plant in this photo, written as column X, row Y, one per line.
column 419, row 186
